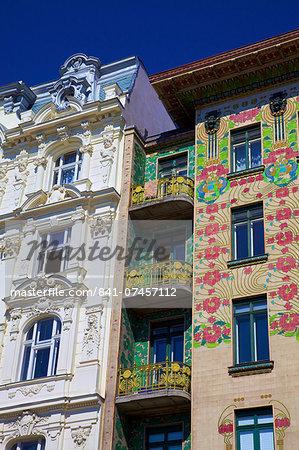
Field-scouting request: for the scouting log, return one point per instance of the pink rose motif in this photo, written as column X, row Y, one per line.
column 283, row 225
column 223, row 227
column 285, row 250
column 295, row 189
column 199, row 255
column 211, row 305
column 212, row 209
column 282, row 423
column 247, row 270
column 286, row 278
column 288, row 306
column 211, row 278
column 259, row 195
column 246, row 190
column 270, row 194
column 226, row 331
column 199, row 307
column 223, row 205
column 285, row 264
column 284, row 238
column 282, row 192
column 283, row 214
column 234, row 200
column 270, row 217
column 271, row 159
column 211, row 291
column 242, row 181
column 259, row 177
column 212, row 334
column 212, row 252
column 234, row 183
column 213, row 228
column 197, row 336
column 274, row 325
column 282, row 202
column 288, row 291
column 211, row 265
column 211, row 319
column 226, row 302
column 199, row 232
column 211, row 240
column 270, row 241
column 226, row 429
column 289, row 322
column 251, row 180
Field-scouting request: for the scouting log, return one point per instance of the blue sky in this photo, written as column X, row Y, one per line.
column 38, row 36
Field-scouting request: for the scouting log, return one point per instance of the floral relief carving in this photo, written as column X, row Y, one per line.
column 42, row 306
column 100, row 226
column 80, row 436
column 91, row 337
column 9, row 247
column 27, row 424
column 30, row 391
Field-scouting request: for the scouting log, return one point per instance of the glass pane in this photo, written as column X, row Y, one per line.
column 67, row 175
column 241, row 241
column 242, row 308
column 240, row 157
column 256, row 153
column 55, row 178
column 240, row 215
column 160, row 331
column 238, row 137
column 42, row 361
column 254, row 133
column 156, row 437
column 176, row 328
column 155, row 447
column 29, row 335
column 266, row 440
column 25, row 363
column 243, row 336
column 256, row 212
column 56, row 352
column 177, row 348
column 243, row 421
column 262, row 340
column 56, row 239
column 29, row 446
column 265, row 418
column 179, row 252
column 246, row 440
column 57, row 164
column 45, row 328
column 160, row 350
column 258, row 237
column 174, row 447
column 69, row 158
column 53, row 263
column 174, row 435
column 257, row 306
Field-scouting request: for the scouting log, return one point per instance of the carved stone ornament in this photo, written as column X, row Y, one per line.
column 57, row 194
column 27, row 424
column 91, row 337
column 80, row 436
column 43, row 306
column 100, row 227
column 41, row 161
column 3, row 170
column 43, row 282
column 278, row 104
column 22, row 161
column 9, row 247
column 68, row 312
column 212, row 122
column 54, row 433
column 15, row 317
column 63, row 133
column 30, row 391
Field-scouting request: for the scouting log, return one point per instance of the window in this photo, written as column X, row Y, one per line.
column 246, row 148
column 173, row 166
column 168, row 438
column 255, row 429
column 167, row 341
column 29, row 445
column 173, row 242
column 251, row 330
column 41, row 348
column 248, row 232
column 67, row 168
column 53, row 256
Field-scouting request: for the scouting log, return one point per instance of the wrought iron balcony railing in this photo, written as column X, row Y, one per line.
column 157, row 274
column 154, row 377
column 178, row 186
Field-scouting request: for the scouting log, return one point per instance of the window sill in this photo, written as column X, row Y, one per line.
column 247, row 261
column 245, row 173
column 251, row 368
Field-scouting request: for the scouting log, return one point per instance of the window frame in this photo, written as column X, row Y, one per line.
column 249, row 222
column 41, row 258
column 28, row 368
column 253, row 337
column 256, row 427
column 77, row 164
column 247, row 141
column 164, row 429
column 173, row 157
column 170, row 323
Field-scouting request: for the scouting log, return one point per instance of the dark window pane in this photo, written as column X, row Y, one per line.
column 45, row 330
column 174, row 447
column 67, row 175
column 29, row 446
column 240, row 157
column 254, row 133
column 55, row 178
column 57, row 164
column 25, row 363
column 56, row 352
column 241, row 241
column 29, row 335
column 256, row 212
column 156, row 437
column 56, row 239
column 42, row 361
column 256, row 154
column 160, row 350
column 177, row 348
column 179, row 252
column 69, row 158
column 243, row 339
column 258, row 237
column 53, row 263
column 174, row 435
column 240, row 214
column 262, row 340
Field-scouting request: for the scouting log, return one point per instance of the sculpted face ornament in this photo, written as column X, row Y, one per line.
column 212, row 122
column 278, row 104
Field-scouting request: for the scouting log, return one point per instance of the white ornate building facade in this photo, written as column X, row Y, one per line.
column 61, row 163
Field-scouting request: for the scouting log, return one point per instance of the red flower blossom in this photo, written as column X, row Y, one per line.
column 211, row 305
column 271, row 266
column 251, row 180
column 197, row 336
column 211, row 240
column 212, row 217
column 282, row 423
column 282, row 202
column 288, row 305
column 226, row 302
column 198, row 280
column 211, row 278
column 234, row 200
column 200, row 211
column 288, row 291
column 212, row 265
column 212, row 334
column 224, row 429
column 270, row 217
column 283, row 225
column 213, row 228
column 246, row 190
column 226, row 331
column 211, row 319
column 233, row 183
column 270, row 240
column 286, row 278
column 283, row 214
column 199, row 232
column 199, row 307
column 242, row 181
column 211, row 209
column 224, row 227
column 289, row 322
column 212, row 252
column 223, row 205
column 286, row 263
column 199, row 255
column 284, row 238
column 211, row 291
column 296, row 212
column 224, row 250
column 282, row 192
column 295, row 189
column 259, row 177
column 272, row 294
column 247, row 270
column 225, row 275
column 285, row 250
column 259, row 195
column 274, row 325
column 270, row 194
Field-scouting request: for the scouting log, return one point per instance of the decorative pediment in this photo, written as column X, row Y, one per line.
column 50, row 111
column 56, row 194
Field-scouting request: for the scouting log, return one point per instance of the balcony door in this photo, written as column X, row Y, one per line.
column 173, row 243
column 167, row 341
column 173, row 166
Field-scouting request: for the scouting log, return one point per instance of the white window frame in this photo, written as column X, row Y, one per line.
column 47, row 236
column 58, row 170
column 19, row 445
column 35, row 345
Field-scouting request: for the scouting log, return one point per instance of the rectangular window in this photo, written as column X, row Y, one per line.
column 53, row 256
column 165, row 438
column 246, row 148
column 251, row 339
column 248, row 232
column 173, row 166
column 167, row 341
column 255, row 429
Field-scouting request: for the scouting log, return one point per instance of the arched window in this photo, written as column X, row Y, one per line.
column 37, row 444
column 41, row 348
column 67, row 168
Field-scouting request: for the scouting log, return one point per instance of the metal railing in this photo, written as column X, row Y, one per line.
column 157, row 274
column 154, row 377
column 165, row 187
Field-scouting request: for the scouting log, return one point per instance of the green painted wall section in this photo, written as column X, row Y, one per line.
column 138, row 165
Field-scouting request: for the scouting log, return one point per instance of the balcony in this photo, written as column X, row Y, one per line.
column 160, row 285
column 171, row 196
column 154, row 388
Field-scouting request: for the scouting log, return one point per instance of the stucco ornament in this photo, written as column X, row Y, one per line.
column 80, row 436
column 43, row 306
column 9, row 247
column 27, row 424
column 107, row 153
column 91, row 337
column 100, row 226
column 57, row 194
